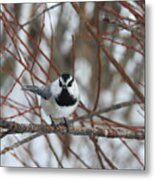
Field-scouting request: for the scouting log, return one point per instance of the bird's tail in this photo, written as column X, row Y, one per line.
column 31, row 88
column 37, row 90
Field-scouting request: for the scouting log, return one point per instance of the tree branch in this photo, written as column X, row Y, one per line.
column 109, row 132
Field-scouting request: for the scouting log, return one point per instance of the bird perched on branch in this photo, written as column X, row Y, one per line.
column 58, row 99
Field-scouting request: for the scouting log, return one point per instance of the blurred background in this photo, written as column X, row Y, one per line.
column 40, row 41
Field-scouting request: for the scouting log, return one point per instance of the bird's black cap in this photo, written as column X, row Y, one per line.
column 65, row 76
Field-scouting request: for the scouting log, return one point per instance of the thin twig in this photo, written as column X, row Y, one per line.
column 107, row 53
column 44, row 11
column 19, row 143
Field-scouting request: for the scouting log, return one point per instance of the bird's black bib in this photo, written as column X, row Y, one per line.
column 65, row 99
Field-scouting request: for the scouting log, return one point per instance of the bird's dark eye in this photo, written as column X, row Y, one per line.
column 60, row 83
column 70, row 83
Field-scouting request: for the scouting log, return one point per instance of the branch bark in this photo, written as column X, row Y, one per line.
column 109, row 132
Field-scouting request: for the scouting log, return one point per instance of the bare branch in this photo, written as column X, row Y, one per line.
column 107, row 53
column 85, row 131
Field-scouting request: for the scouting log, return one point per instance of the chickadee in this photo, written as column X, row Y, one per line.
column 58, row 99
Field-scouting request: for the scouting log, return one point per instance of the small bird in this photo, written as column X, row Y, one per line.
column 58, row 99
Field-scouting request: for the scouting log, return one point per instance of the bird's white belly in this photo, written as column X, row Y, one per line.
column 51, row 108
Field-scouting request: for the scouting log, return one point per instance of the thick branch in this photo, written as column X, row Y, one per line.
column 109, row 132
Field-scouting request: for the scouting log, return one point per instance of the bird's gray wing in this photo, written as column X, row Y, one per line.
column 44, row 92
